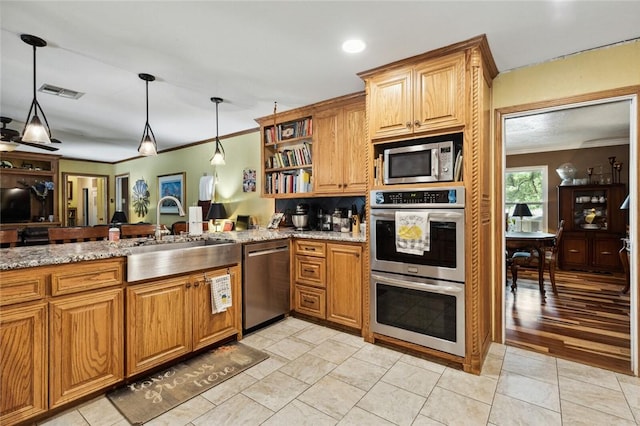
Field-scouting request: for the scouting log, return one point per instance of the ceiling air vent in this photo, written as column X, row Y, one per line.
column 59, row 91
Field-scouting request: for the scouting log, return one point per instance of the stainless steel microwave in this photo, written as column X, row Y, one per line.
column 429, row 162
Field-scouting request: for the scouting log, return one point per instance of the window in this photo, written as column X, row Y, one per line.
column 526, row 185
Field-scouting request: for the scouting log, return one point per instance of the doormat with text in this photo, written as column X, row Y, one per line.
column 147, row 398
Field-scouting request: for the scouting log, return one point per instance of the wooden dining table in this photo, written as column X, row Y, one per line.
column 537, row 241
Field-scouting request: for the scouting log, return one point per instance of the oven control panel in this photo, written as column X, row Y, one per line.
column 423, row 198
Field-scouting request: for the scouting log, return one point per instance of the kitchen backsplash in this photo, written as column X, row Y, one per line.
column 327, row 204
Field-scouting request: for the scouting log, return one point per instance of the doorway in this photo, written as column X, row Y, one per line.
column 122, row 194
column 538, row 113
column 80, row 209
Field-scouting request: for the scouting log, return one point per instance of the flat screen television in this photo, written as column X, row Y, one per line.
column 15, row 205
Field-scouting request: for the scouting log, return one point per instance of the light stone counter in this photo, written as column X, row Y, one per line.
column 56, row 254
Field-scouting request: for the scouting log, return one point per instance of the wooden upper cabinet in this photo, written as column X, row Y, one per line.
column 339, row 149
column 419, row 98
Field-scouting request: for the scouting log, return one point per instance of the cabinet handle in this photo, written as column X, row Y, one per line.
column 408, row 124
column 574, row 251
column 605, row 252
column 196, row 284
column 188, row 286
column 416, row 123
column 310, row 248
column 311, row 301
column 308, row 270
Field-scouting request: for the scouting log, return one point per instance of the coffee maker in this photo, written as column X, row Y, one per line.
column 300, row 218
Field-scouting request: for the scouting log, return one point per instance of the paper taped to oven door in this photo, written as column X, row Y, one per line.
column 412, row 232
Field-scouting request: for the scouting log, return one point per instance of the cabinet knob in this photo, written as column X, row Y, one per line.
column 188, row 285
column 408, row 124
column 196, row 284
column 417, row 123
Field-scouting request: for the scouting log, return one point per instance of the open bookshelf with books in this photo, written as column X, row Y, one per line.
column 287, row 141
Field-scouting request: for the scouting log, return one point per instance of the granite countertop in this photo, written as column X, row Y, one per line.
column 56, row 254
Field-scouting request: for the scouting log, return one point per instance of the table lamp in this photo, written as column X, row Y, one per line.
column 521, row 210
column 119, row 217
column 216, row 211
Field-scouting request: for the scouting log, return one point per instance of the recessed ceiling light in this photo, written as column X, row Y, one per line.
column 353, row 46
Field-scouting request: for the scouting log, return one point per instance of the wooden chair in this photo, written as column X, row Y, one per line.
column 531, row 258
column 137, row 230
column 75, row 234
column 9, row 238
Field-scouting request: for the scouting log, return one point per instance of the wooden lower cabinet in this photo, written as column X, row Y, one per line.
column 591, row 251
column 344, row 284
column 87, row 344
column 171, row 317
column 23, row 362
column 336, row 298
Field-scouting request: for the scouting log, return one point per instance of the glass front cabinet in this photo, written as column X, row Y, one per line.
column 594, row 225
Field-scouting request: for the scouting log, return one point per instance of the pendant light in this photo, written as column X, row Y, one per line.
column 34, row 130
column 148, row 144
column 218, row 155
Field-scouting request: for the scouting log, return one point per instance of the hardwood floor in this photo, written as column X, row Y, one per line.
column 587, row 322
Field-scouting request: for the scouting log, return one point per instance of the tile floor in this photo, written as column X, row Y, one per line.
column 320, row 376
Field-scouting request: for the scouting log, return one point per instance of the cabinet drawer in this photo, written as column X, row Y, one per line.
column 22, row 285
column 310, row 301
column 310, row 270
column 310, row 248
column 73, row 278
column 605, row 253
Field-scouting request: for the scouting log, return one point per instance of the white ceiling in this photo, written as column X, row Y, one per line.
column 252, row 54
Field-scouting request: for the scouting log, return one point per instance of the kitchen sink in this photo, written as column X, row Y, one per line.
column 155, row 260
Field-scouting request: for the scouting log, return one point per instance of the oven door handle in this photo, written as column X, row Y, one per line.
column 435, row 216
column 435, row 288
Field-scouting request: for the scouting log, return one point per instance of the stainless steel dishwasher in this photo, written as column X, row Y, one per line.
column 265, row 284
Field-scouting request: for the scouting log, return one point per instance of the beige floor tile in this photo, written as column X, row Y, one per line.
column 332, row 397
column 229, row 388
column 631, row 390
column 423, row 363
column 531, row 354
column 492, row 366
column 99, row 412
column 289, row 348
column 315, row 334
column 530, row 390
column 279, row 331
column 588, row 374
column 358, row 373
column 276, row 390
column 477, row 387
column 266, row 367
column 67, row 418
column 531, row 367
column 509, row 411
column 392, row 403
column 308, row 368
column 296, row 323
column 411, row 378
column 334, row 351
column 594, row 397
column 349, row 339
column 497, row 349
column 257, row 341
column 300, row 414
column 183, row 413
column 378, row 355
column 578, row 415
column 451, row 408
column 239, row 410
column 425, row 421
column 358, row 417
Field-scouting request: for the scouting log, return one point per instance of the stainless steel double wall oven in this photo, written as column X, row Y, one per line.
column 418, row 295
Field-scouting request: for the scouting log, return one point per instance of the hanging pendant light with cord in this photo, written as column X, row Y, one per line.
column 34, row 130
column 218, row 155
column 148, row 145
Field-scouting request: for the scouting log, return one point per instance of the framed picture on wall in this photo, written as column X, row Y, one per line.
column 173, row 185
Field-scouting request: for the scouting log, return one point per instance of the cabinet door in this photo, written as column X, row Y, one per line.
column 209, row 328
column 390, row 104
column 605, row 253
column 574, row 251
column 158, row 323
column 439, row 93
column 353, row 150
column 87, row 344
column 327, row 155
column 23, row 362
column 344, row 284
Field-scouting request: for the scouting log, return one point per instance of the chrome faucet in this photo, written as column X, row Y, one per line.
column 180, row 211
